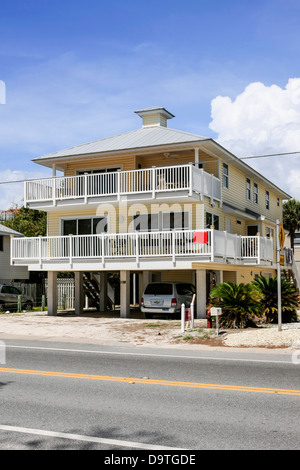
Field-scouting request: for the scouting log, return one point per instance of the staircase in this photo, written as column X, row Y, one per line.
column 91, row 287
column 292, row 271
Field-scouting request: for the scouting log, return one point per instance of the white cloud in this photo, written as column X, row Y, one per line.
column 12, row 194
column 263, row 120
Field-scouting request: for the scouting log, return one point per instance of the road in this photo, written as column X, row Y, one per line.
column 75, row 396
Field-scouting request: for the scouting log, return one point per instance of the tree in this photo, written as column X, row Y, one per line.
column 239, row 303
column 29, row 222
column 291, row 218
column 269, row 300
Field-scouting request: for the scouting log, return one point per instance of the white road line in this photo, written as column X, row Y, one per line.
column 78, row 437
column 124, row 353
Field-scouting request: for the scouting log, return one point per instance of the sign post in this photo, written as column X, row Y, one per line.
column 215, row 312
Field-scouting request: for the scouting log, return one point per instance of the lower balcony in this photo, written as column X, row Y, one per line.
column 140, row 250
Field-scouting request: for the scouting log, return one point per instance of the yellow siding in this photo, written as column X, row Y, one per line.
column 235, row 195
column 96, row 163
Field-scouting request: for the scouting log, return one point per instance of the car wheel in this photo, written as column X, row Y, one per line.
column 2, row 307
column 28, row 306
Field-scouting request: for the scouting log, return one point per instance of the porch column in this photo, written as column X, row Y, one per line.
column 196, row 157
column 201, row 292
column 125, row 294
column 103, row 291
column 146, row 279
column 79, row 294
column 52, row 293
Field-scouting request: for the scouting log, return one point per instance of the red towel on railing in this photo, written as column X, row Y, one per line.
column 200, row 237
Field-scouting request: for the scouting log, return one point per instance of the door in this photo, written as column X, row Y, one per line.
column 252, row 230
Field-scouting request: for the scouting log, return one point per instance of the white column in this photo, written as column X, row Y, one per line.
column 146, row 279
column 52, row 293
column 201, row 292
column 79, row 294
column 125, row 294
column 196, row 157
column 103, row 291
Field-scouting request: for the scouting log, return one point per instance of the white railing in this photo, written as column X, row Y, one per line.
column 172, row 244
column 151, row 181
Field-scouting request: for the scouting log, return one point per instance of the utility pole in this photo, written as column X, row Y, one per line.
column 279, row 247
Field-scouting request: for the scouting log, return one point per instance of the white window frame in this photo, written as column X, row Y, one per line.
column 248, row 189
column 267, row 200
column 81, row 217
column 225, row 179
column 255, row 193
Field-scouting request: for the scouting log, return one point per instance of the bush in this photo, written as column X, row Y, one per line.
column 239, row 302
column 269, row 300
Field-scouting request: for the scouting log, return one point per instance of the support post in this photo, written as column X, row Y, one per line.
column 201, row 292
column 79, row 294
column 52, row 293
column 125, row 294
column 103, row 291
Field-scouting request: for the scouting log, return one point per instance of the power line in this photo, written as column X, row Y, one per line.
column 240, row 158
column 271, row 155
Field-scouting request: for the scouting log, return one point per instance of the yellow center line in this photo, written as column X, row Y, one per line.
column 174, row 383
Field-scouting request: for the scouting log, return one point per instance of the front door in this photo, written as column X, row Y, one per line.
column 252, row 230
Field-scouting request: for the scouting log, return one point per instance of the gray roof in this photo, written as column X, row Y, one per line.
column 9, row 231
column 144, row 137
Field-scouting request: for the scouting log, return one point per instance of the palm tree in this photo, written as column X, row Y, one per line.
column 239, row 303
column 291, row 218
column 269, row 300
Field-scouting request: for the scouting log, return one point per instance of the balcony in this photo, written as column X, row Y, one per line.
column 140, row 250
column 145, row 184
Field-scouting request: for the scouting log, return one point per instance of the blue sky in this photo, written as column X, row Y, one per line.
column 76, row 71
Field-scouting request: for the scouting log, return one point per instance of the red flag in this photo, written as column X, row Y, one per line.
column 200, row 237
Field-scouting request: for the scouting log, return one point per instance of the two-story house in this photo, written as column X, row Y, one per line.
column 157, row 202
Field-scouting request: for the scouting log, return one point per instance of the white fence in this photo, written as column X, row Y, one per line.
column 65, row 292
column 150, row 180
column 174, row 244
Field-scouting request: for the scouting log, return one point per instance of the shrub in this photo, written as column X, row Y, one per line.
column 239, row 302
column 269, row 300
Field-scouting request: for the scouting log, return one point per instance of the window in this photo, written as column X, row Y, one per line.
column 1, row 242
column 175, row 221
column 225, row 176
column 212, row 219
column 248, row 189
column 267, row 200
column 278, row 202
column 255, row 193
column 159, row 289
column 145, row 222
column 269, row 232
column 84, row 226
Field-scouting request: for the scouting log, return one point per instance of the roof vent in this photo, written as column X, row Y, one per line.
column 154, row 117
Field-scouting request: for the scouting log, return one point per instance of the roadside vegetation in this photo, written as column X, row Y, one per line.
column 246, row 305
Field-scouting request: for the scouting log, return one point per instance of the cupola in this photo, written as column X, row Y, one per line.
column 154, row 116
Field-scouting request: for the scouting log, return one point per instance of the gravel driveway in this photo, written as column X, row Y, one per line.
column 110, row 329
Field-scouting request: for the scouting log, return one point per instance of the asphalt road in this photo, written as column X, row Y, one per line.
column 75, row 396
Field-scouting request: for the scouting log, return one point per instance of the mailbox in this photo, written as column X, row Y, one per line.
column 215, row 311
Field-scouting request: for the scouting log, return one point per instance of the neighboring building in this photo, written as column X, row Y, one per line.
column 159, row 203
column 9, row 273
column 8, row 214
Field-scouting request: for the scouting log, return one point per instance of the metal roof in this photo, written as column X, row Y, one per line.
column 9, row 231
column 140, row 138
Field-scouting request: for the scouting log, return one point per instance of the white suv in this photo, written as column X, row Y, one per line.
column 165, row 298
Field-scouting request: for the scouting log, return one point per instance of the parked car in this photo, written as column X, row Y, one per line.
column 166, row 298
column 9, row 299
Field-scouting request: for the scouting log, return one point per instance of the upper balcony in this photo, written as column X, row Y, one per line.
column 184, row 181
